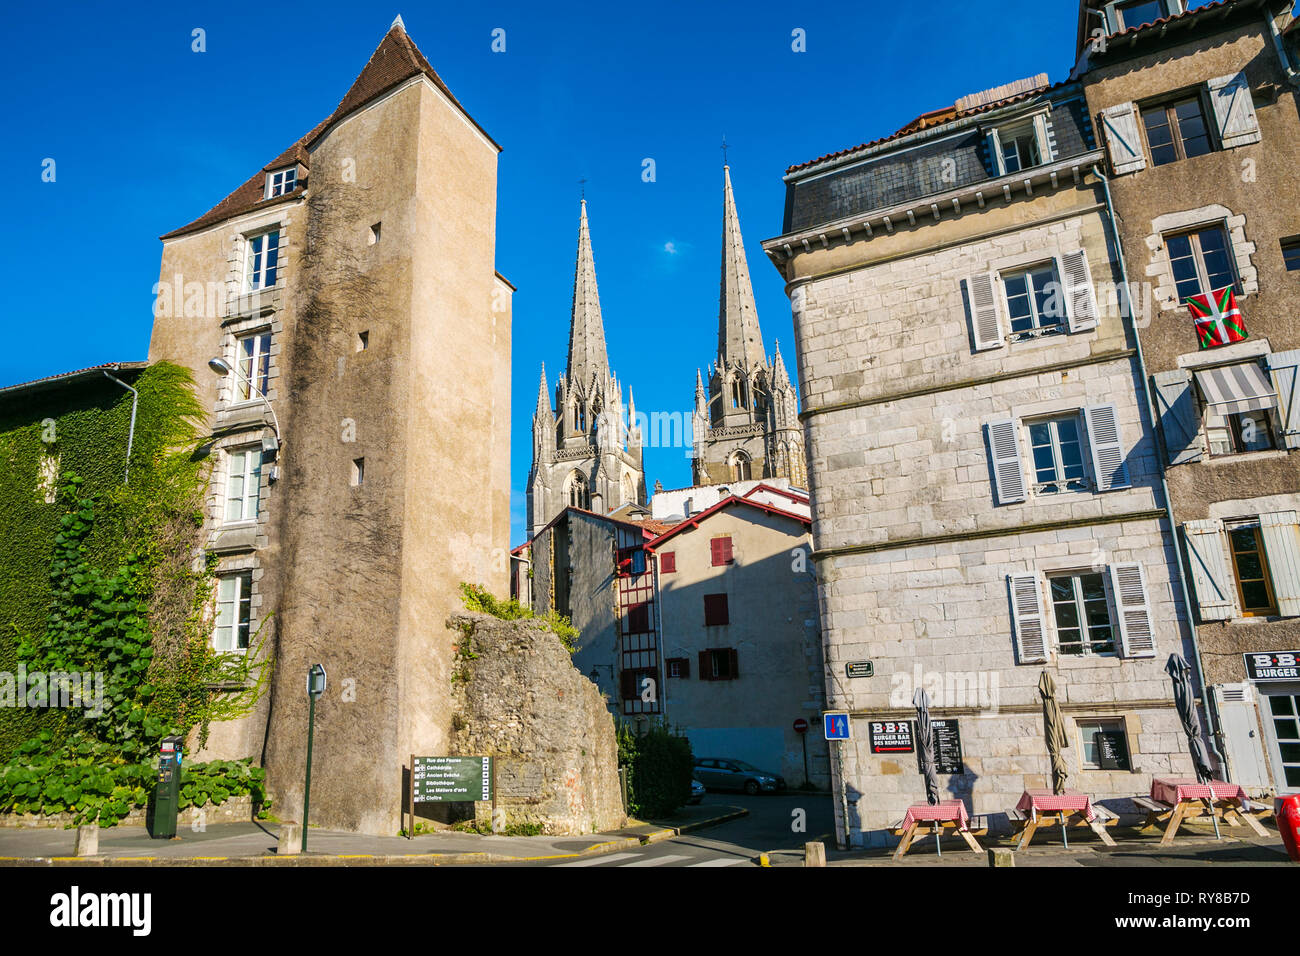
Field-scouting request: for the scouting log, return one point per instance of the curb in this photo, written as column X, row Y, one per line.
column 667, row 833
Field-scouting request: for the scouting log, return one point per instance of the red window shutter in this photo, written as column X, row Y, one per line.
column 668, row 562
column 726, row 551
column 715, row 609
column 733, row 665
column 720, row 550
column 686, row 667
column 705, row 672
column 627, row 684
column 638, row 618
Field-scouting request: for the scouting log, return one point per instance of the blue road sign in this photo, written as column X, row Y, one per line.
column 836, row 726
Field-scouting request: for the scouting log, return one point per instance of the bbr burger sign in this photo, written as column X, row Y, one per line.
column 1273, row 666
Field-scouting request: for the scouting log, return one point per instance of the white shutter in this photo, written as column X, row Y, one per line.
column 1179, row 421
column 1208, row 557
column 1027, row 614
column 1234, row 110
column 1008, row 473
column 1044, row 137
column 1129, row 588
column 1242, row 746
column 982, row 310
column 1282, row 548
column 1076, row 284
column 1120, row 125
column 1284, row 365
column 1108, row 464
column 994, row 143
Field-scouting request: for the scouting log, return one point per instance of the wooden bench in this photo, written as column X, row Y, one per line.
column 1023, row 823
column 1173, row 817
column 975, row 826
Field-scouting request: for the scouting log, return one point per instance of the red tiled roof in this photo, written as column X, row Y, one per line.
column 726, row 502
column 394, row 61
column 925, row 121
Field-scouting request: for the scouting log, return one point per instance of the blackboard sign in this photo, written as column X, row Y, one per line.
column 947, row 747
column 891, row 737
column 1112, row 749
column 442, row 779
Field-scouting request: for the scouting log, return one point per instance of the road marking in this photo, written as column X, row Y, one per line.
column 722, row 862
column 657, row 861
column 600, row 860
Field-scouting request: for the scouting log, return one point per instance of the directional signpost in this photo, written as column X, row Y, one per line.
column 315, row 687
column 450, row 779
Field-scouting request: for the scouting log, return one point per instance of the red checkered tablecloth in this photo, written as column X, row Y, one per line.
column 945, row 810
column 1176, row 790
column 1041, row 801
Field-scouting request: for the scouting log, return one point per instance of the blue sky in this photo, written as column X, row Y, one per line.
column 147, row 135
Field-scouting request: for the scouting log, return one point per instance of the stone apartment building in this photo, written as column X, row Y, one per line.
column 1199, row 116
column 986, row 494
column 338, row 279
column 584, row 453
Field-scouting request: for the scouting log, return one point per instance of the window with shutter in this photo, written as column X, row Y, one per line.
column 1180, row 423
column 982, row 311
column 1136, row 634
column 1119, row 123
column 1108, row 458
column 1208, row 562
column 678, row 666
column 1008, row 473
column 733, row 664
column 1080, row 298
column 720, row 551
column 627, row 688
column 706, row 671
column 638, row 618
column 715, row 610
column 1283, row 366
column 1234, row 110
column 1027, row 618
column 1282, row 548
column 668, row 562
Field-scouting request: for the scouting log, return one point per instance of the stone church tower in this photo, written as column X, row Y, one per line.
column 746, row 425
column 584, row 454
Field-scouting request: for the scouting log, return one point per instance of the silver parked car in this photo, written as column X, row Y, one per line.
column 697, row 791
column 723, row 773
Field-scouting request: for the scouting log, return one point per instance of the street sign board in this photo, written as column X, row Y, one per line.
column 800, row 726
column 891, row 737
column 445, row 779
column 836, row 726
column 860, row 669
column 1273, row 665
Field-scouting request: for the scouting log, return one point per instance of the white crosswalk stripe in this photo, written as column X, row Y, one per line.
column 600, row 860
column 656, row 861
column 721, row 862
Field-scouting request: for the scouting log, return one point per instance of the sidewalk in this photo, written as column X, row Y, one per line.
column 254, row 844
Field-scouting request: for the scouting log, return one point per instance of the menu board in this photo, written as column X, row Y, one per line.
column 891, row 737
column 1112, row 749
column 445, row 779
column 947, row 747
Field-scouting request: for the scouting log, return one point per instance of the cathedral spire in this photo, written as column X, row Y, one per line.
column 587, row 358
column 740, row 342
column 543, row 395
column 780, row 376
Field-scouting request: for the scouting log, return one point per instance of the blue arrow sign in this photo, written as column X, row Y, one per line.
column 836, row 726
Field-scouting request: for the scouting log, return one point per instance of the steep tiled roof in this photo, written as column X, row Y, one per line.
column 727, row 502
column 394, row 61
column 927, row 120
column 64, row 378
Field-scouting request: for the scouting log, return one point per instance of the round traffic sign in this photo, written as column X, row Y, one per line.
column 800, row 726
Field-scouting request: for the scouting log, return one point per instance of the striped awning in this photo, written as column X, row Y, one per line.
column 1231, row 389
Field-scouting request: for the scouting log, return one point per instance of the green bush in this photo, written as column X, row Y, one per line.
column 660, row 768
column 483, row 601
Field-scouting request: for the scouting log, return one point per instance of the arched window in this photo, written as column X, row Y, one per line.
column 740, row 467
column 579, row 417
column 739, row 392
column 629, row 490
column 578, row 494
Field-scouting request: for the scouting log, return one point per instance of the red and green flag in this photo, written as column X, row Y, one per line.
column 1218, row 320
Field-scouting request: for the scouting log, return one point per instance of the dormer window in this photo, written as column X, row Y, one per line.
column 1137, row 13
column 281, row 182
column 1019, row 146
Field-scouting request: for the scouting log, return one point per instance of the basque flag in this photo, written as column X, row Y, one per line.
column 1218, row 320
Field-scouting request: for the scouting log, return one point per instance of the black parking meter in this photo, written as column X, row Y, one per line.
column 161, row 816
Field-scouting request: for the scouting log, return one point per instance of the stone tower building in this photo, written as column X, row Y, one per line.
column 584, row 454
column 747, row 423
column 344, row 275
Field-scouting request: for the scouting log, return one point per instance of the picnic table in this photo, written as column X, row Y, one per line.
column 1037, row 808
column 1176, row 800
column 943, row 816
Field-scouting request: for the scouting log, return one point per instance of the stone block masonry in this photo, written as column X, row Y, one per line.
column 521, row 701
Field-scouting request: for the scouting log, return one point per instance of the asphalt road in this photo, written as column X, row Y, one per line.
column 778, row 825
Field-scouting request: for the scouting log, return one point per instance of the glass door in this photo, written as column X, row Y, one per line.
column 1284, row 715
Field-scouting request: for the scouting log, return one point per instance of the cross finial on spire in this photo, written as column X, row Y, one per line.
column 582, row 185
column 724, row 149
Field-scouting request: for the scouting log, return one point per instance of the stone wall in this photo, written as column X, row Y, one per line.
column 235, row 810
column 525, row 704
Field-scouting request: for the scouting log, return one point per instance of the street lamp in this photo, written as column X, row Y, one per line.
column 223, row 368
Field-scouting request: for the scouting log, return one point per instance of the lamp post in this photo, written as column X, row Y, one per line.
column 315, row 687
column 223, row 368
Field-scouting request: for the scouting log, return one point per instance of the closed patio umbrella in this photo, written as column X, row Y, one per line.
column 1054, row 731
column 925, row 745
column 1185, row 700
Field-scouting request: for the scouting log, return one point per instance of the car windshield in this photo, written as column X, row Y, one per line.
column 741, row 765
